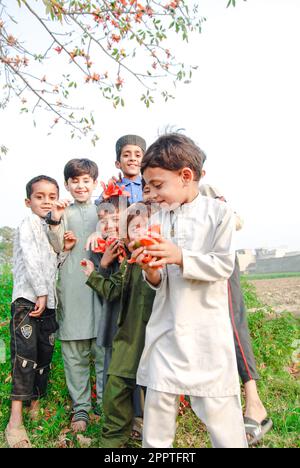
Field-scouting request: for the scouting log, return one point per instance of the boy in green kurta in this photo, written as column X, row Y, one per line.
column 136, row 301
column 80, row 308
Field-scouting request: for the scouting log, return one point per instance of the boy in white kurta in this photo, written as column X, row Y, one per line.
column 189, row 340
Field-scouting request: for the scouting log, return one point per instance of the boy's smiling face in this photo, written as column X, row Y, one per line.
column 168, row 187
column 137, row 227
column 109, row 224
column 81, row 187
column 44, row 195
column 130, row 161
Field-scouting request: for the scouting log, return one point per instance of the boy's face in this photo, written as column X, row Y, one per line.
column 130, row 161
column 167, row 187
column 137, row 227
column 44, row 195
column 109, row 224
column 81, row 187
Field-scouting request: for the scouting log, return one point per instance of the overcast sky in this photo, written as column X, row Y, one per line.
column 242, row 109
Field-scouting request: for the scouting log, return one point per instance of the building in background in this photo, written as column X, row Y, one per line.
column 269, row 261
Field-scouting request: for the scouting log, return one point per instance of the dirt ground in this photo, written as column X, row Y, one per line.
column 283, row 294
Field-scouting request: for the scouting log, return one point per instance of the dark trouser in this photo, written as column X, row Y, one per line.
column 32, row 346
column 139, row 393
column 238, row 315
column 118, row 411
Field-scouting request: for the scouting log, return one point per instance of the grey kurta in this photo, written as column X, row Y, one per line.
column 189, row 346
column 80, row 308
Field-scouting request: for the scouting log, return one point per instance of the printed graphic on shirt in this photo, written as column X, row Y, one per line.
column 52, row 339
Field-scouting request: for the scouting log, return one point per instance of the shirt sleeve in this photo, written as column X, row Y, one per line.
column 56, row 238
column 163, row 277
column 108, row 288
column 30, row 241
column 219, row 263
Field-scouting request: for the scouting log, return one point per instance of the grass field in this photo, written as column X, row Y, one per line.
column 273, row 338
column 271, row 276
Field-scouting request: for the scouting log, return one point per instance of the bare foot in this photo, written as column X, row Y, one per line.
column 256, row 411
column 34, row 410
column 254, row 406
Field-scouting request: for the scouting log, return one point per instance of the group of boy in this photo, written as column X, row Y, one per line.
column 174, row 325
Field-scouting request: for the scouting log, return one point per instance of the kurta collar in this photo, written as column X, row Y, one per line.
column 188, row 206
column 88, row 203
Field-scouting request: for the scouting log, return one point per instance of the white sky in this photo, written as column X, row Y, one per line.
column 242, row 108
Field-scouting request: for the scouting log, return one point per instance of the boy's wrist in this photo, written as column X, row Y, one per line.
column 153, row 276
column 180, row 257
column 52, row 220
column 104, row 265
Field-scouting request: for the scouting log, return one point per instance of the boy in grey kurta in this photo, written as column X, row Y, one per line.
column 189, row 345
column 80, row 309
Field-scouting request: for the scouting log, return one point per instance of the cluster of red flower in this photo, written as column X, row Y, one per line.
column 149, row 239
column 104, row 244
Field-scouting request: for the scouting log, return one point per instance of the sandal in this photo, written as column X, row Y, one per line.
column 137, row 429
column 17, row 438
column 256, row 431
column 80, row 421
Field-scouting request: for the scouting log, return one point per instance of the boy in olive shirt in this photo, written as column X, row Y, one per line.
column 136, row 301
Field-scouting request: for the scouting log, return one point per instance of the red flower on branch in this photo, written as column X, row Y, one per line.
column 58, row 49
column 116, row 38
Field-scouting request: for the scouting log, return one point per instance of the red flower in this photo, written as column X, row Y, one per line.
column 149, row 239
column 94, row 392
column 113, row 190
column 116, row 38
column 101, row 246
column 104, row 244
column 183, row 406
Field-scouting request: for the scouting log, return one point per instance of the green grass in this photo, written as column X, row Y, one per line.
column 270, row 276
column 273, row 337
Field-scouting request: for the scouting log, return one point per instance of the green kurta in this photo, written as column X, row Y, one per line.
column 136, row 301
column 80, row 309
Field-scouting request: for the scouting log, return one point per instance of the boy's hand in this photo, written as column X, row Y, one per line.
column 58, row 209
column 92, row 242
column 70, row 241
column 110, row 255
column 152, row 274
column 114, row 179
column 40, row 307
column 88, row 267
column 167, row 253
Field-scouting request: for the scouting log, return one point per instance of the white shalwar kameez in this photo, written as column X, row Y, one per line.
column 189, row 347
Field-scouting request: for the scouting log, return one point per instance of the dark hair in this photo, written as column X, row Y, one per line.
column 79, row 167
column 173, row 152
column 35, row 180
